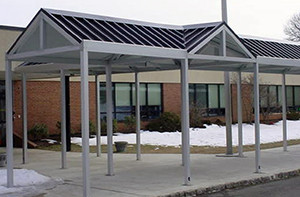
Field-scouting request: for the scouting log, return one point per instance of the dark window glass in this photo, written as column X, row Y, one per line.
column 289, row 96
column 124, row 100
column 209, row 97
column 297, row 95
column 201, row 95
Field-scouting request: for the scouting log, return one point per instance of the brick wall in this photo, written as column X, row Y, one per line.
column 44, row 104
column 172, row 97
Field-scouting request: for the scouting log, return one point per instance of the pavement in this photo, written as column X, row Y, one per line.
column 155, row 174
column 287, row 188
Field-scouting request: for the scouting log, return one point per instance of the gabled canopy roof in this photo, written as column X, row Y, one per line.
column 56, row 37
column 99, row 28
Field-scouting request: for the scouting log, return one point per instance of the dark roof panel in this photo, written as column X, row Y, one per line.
column 91, row 27
column 274, row 49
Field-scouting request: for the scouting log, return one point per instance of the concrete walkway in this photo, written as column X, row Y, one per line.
column 156, row 174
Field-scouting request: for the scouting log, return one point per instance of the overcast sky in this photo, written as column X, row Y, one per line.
column 264, row 18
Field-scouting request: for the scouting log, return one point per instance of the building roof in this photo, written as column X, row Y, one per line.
column 99, row 28
column 6, row 27
column 271, row 48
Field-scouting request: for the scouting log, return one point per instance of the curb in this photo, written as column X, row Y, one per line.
column 235, row 185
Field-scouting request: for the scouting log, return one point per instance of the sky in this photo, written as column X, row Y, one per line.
column 262, row 18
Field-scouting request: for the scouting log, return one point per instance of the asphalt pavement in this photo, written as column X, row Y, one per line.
column 285, row 188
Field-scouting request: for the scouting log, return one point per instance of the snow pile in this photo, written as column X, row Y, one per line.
column 212, row 135
column 23, row 180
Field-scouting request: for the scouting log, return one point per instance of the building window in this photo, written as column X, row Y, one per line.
column 271, row 97
column 293, row 97
column 209, row 97
column 124, row 100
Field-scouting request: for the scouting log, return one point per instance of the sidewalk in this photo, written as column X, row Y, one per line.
column 156, row 174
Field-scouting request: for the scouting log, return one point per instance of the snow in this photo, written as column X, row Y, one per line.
column 212, row 135
column 50, row 141
column 24, row 180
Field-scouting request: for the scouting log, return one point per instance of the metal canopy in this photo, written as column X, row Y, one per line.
column 129, row 46
column 60, row 42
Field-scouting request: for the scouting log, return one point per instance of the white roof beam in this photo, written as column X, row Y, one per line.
column 128, row 49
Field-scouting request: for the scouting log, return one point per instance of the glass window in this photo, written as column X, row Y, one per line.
column 154, row 94
column 192, row 93
column 279, row 95
column 222, row 98
column 297, row 95
column 102, row 97
column 263, row 94
column 122, row 94
column 142, row 94
column 124, row 100
column 201, row 95
column 272, row 96
column 289, row 96
column 213, row 99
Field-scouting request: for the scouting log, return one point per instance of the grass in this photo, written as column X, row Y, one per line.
column 173, row 150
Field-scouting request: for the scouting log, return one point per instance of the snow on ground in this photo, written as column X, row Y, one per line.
column 50, row 141
column 24, row 180
column 212, row 135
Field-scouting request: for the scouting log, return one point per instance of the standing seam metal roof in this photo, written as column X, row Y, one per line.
column 90, row 27
column 100, row 28
column 274, row 49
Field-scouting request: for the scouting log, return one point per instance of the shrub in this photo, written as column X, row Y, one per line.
column 58, row 125
column 38, row 132
column 168, row 122
column 104, row 126
column 92, row 128
column 129, row 122
column 196, row 116
column 220, row 122
column 293, row 115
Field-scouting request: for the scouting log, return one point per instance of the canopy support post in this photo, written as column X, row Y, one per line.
column 257, row 118
column 240, row 114
column 284, row 122
column 98, row 115
column 9, row 123
column 63, row 120
column 84, row 74
column 185, row 120
column 137, row 116
column 24, row 111
column 109, row 119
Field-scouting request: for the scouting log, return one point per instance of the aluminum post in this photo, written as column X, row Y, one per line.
column 228, row 114
column 109, row 119
column 185, row 121
column 24, row 119
column 257, row 119
column 240, row 113
column 182, row 115
column 284, row 123
column 137, row 116
column 224, row 11
column 63, row 120
column 227, row 88
column 9, row 124
column 84, row 74
column 98, row 116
